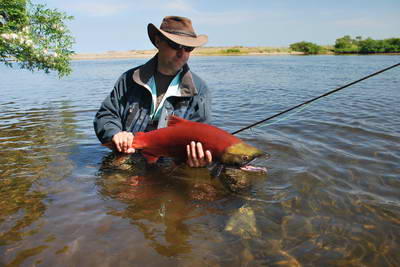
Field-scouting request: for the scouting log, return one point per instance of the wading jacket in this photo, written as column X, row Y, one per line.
column 128, row 106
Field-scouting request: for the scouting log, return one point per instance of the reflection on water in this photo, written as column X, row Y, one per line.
column 330, row 197
column 160, row 201
column 30, row 151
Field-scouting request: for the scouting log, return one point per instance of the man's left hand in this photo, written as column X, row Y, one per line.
column 196, row 157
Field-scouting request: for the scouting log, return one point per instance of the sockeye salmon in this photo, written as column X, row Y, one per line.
column 172, row 140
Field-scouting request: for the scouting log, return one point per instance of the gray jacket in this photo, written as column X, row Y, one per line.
column 128, row 106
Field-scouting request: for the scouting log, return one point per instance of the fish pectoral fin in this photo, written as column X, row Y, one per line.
column 174, row 120
column 150, row 158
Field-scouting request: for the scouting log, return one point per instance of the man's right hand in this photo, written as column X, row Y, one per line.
column 123, row 141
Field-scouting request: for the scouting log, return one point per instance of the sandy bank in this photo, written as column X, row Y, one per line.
column 202, row 51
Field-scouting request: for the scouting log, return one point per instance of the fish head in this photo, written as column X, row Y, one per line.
column 240, row 154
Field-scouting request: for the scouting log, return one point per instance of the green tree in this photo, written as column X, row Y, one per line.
column 347, row 45
column 370, row 45
column 306, row 47
column 35, row 37
column 367, row 46
column 392, row 45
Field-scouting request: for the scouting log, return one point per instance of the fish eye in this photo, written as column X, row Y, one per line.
column 245, row 157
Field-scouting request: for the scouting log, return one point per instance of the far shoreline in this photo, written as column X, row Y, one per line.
column 209, row 51
column 201, row 51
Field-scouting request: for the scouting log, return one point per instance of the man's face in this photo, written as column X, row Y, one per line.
column 170, row 60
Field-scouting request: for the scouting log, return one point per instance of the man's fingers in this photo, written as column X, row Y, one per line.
column 118, row 145
column 123, row 141
column 193, row 152
column 208, row 156
column 200, row 152
column 196, row 157
column 200, row 155
column 126, row 143
column 124, row 146
column 130, row 150
column 189, row 156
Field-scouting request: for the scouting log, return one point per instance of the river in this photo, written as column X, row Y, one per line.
column 330, row 197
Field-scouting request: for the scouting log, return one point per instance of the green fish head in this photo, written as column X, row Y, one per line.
column 240, row 154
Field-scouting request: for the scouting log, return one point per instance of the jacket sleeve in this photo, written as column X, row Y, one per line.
column 207, row 105
column 108, row 121
column 200, row 106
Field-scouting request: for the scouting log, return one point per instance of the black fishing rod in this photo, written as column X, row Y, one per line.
column 316, row 98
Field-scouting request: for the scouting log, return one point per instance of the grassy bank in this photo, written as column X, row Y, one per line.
column 207, row 51
column 240, row 50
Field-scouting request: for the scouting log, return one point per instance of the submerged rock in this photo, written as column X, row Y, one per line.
column 243, row 224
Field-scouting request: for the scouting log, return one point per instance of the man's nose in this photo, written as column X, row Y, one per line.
column 181, row 51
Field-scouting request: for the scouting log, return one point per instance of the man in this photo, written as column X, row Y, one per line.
column 144, row 97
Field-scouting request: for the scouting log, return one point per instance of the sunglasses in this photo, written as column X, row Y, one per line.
column 176, row 46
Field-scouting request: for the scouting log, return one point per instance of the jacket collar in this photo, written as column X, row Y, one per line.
column 143, row 74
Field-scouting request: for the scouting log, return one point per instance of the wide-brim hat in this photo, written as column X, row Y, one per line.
column 178, row 30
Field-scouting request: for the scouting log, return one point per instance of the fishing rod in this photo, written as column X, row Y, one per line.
column 316, row 98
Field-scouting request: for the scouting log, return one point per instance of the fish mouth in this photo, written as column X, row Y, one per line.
column 251, row 168
column 218, row 167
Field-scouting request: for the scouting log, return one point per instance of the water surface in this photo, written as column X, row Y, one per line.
column 330, row 197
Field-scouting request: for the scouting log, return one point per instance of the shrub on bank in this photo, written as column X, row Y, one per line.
column 367, row 46
column 306, row 47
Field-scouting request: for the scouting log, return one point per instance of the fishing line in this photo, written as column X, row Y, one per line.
column 285, row 118
column 316, row 98
column 300, row 109
column 288, row 116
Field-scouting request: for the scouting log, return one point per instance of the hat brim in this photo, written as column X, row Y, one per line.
column 197, row 41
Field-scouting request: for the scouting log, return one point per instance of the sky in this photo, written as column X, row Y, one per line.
column 121, row 25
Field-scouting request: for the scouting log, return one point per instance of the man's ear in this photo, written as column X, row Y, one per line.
column 157, row 40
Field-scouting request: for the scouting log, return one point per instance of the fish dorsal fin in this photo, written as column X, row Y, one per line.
column 174, row 120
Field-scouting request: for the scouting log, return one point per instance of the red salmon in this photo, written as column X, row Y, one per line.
column 172, row 140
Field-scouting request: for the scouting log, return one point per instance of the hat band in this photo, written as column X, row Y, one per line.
column 182, row 33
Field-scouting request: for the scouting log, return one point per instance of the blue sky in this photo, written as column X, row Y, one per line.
column 118, row 25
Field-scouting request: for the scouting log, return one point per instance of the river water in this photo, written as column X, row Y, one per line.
column 331, row 196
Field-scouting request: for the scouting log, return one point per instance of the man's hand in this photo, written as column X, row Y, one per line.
column 196, row 156
column 122, row 142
